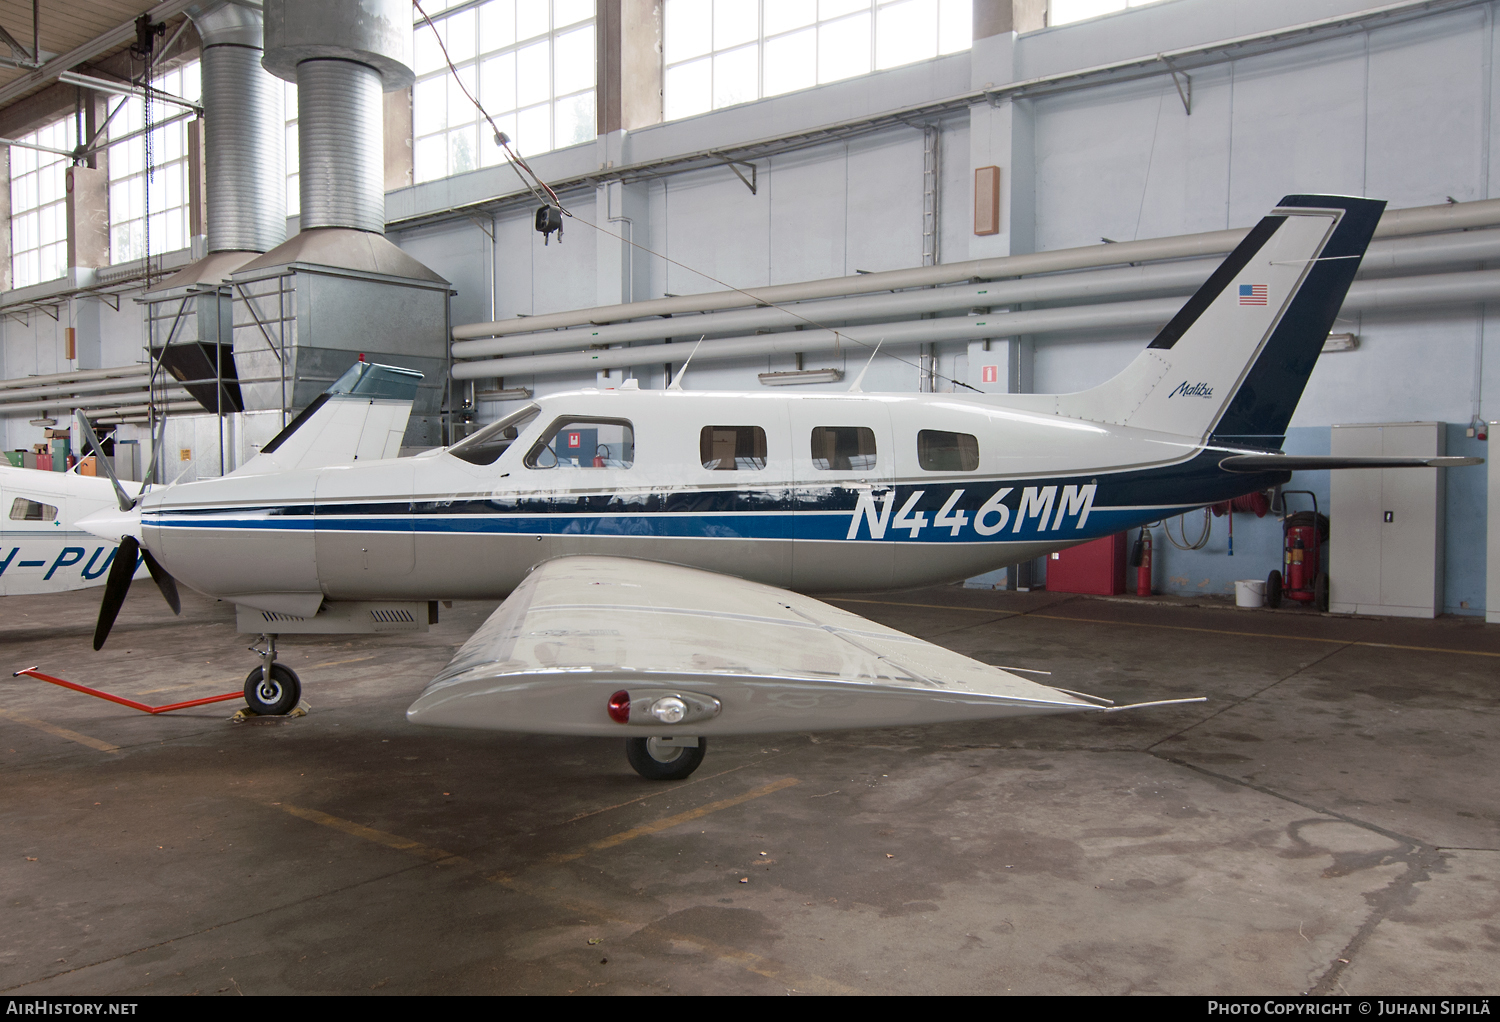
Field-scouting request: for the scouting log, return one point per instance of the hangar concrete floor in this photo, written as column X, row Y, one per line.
column 1328, row 821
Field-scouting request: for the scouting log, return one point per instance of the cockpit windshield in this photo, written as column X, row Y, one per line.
column 484, row 447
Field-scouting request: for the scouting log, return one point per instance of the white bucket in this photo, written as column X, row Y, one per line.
column 1250, row 592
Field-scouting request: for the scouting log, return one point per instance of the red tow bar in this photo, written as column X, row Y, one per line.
column 32, row 672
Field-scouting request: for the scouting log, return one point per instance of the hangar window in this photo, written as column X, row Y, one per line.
column 585, row 443
column 23, row 510
column 843, row 448
column 729, row 448
column 941, row 451
column 486, row 446
column 39, row 222
column 1062, row 12
column 163, row 193
column 733, row 51
column 530, row 62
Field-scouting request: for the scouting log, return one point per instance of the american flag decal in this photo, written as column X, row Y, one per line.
column 1252, row 294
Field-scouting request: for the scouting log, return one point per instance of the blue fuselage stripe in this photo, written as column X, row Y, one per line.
column 967, row 511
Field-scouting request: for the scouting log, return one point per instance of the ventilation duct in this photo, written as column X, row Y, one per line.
column 342, row 54
column 190, row 313
column 244, row 126
column 340, row 138
column 244, row 130
column 305, row 311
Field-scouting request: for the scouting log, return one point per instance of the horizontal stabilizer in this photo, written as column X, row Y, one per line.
column 1250, row 463
column 610, row 646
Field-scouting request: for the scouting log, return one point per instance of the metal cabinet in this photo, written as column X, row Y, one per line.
column 1386, row 535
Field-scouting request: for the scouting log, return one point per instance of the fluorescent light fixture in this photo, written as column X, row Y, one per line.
column 44, row 421
column 508, row 394
column 802, row 376
column 1341, row 342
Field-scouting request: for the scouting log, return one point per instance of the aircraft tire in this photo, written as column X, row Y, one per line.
column 680, row 764
column 1273, row 590
column 276, row 698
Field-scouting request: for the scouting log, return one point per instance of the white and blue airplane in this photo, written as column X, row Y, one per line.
column 652, row 547
column 42, row 549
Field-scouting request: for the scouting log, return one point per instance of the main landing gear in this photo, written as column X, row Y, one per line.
column 665, row 759
column 272, row 690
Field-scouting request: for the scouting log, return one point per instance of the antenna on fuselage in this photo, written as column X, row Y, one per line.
column 854, row 388
column 676, row 383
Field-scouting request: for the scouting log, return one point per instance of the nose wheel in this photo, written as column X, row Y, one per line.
column 665, row 759
column 271, row 690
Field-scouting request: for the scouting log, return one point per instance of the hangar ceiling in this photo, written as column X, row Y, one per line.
column 85, row 32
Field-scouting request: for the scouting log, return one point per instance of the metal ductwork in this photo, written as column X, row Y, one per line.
column 338, row 290
column 342, row 54
column 244, row 124
column 341, row 139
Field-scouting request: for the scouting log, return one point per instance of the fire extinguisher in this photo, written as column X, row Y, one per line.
column 1141, row 558
column 1296, row 568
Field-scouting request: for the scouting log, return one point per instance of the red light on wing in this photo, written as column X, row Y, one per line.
column 619, row 707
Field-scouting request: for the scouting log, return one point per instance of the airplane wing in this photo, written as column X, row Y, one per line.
column 1311, row 462
column 611, row 646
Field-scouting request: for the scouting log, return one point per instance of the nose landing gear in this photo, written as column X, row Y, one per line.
column 271, row 690
column 665, row 759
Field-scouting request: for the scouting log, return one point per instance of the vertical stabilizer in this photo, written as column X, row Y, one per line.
column 1234, row 361
column 361, row 417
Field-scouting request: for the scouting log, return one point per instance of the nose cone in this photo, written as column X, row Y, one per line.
column 113, row 524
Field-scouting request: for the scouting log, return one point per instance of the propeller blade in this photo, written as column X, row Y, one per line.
column 106, row 463
column 165, row 582
column 115, row 588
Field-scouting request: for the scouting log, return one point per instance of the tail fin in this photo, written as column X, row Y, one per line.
column 1232, row 364
column 361, row 416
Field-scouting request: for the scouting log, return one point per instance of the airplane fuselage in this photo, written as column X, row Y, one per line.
column 817, row 493
column 42, row 550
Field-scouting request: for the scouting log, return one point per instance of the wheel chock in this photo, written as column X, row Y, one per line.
column 245, row 713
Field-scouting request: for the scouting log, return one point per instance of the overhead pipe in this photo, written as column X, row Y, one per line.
column 1389, row 255
column 121, row 372
column 91, row 388
column 174, row 395
column 1364, row 295
column 1395, row 223
column 96, row 393
column 1125, row 280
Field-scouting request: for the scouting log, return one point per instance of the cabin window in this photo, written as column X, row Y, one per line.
column 843, row 448
column 24, row 510
column 729, row 448
column 585, row 443
column 484, row 447
column 941, row 451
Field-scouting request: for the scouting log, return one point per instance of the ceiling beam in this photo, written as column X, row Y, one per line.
column 100, row 44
